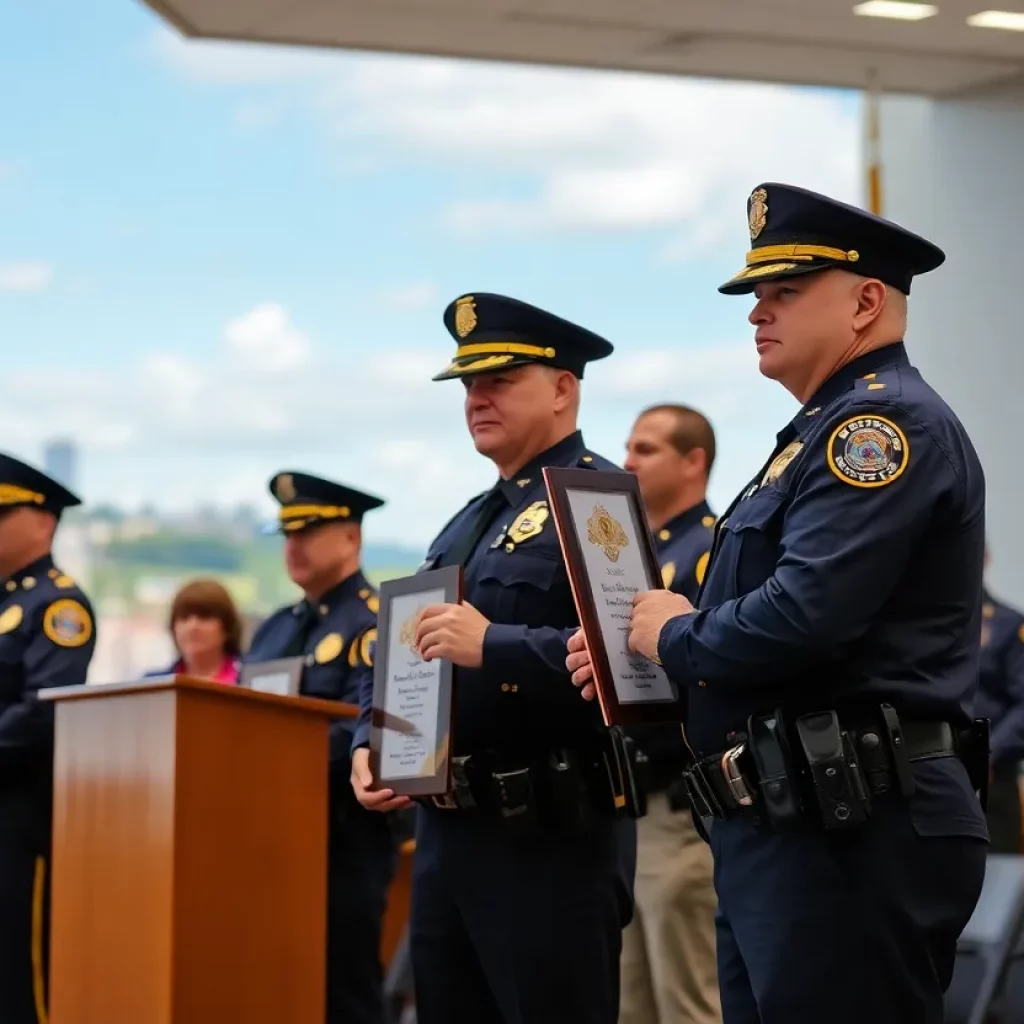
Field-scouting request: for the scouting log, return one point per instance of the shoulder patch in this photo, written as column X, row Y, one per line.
column 328, row 648
column 668, row 573
column 868, row 451
column 702, row 566
column 67, row 623
column 10, row 618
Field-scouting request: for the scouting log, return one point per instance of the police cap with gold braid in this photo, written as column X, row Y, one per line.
column 494, row 332
column 21, row 485
column 308, row 500
column 794, row 231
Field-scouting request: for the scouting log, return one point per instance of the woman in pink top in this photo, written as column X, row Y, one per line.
column 207, row 632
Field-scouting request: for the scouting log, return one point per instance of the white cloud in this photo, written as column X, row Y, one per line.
column 597, row 150
column 25, row 276
column 266, row 340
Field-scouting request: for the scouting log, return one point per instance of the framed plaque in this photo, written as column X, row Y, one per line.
column 282, row 676
column 610, row 556
column 410, row 726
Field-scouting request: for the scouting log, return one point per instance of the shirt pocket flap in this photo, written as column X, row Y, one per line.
column 520, row 569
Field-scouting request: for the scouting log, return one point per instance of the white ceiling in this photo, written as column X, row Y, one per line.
column 810, row 42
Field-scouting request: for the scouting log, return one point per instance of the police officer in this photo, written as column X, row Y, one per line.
column 523, row 875
column 833, row 660
column 47, row 638
column 668, row 949
column 334, row 629
column 1001, row 699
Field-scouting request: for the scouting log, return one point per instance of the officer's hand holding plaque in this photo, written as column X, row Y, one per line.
column 610, row 556
column 412, row 698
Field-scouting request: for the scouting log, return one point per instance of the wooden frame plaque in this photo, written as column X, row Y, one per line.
column 609, row 556
column 410, row 726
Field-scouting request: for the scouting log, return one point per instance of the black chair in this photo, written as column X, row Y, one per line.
column 988, row 948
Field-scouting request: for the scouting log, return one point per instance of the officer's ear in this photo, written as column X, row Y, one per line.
column 567, row 390
column 872, row 299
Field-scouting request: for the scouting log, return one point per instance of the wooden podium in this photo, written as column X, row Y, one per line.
column 189, row 878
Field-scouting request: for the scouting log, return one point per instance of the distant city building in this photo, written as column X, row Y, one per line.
column 60, row 460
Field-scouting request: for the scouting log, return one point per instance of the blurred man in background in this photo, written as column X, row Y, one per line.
column 47, row 638
column 668, row 956
column 333, row 630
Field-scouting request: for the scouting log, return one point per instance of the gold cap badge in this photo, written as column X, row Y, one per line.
column 284, row 488
column 465, row 315
column 758, row 215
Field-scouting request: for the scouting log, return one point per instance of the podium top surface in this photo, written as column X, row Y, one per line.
column 156, row 684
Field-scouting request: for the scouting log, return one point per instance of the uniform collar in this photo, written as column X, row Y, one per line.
column 679, row 524
column 565, row 453
column 884, row 358
column 352, row 586
column 28, row 576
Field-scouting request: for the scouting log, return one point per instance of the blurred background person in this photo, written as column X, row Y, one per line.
column 669, row 972
column 1001, row 699
column 47, row 639
column 332, row 629
column 206, row 630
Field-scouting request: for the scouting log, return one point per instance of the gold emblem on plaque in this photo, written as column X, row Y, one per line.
column 529, row 523
column 758, row 216
column 465, row 315
column 285, row 487
column 407, row 634
column 606, row 532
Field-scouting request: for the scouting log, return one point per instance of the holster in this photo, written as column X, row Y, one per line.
column 836, row 779
column 777, row 774
column 975, row 749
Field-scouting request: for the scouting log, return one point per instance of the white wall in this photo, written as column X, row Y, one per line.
column 954, row 172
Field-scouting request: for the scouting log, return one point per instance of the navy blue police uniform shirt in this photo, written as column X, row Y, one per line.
column 338, row 649
column 849, row 572
column 521, row 698
column 683, row 546
column 1001, row 679
column 47, row 638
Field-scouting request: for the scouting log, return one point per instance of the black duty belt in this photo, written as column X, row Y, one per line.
column 565, row 788
column 782, row 770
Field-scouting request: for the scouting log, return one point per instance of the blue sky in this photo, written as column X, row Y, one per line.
column 217, row 261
